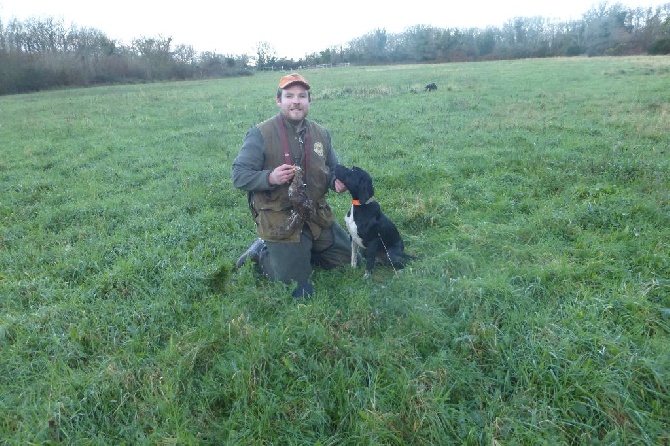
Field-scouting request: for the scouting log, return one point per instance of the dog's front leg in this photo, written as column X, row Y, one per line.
column 354, row 254
column 370, row 256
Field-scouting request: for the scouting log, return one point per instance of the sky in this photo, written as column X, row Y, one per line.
column 228, row 27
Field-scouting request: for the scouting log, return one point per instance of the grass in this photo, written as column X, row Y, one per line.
column 535, row 194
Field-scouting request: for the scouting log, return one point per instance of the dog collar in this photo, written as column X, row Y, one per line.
column 358, row 202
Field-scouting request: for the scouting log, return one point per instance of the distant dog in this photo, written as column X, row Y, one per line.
column 368, row 226
column 431, row 87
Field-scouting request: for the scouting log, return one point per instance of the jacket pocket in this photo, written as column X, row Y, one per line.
column 277, row 226
column 323, row 215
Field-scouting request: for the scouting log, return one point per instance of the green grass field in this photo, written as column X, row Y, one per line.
column 535, row 193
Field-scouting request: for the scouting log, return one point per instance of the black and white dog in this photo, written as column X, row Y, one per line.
column 369, row 228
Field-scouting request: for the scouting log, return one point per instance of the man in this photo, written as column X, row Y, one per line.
column 291, row 239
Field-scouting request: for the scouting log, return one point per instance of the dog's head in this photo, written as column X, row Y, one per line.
column 357, row 180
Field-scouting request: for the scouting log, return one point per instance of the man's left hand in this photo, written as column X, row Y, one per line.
column 339, row 186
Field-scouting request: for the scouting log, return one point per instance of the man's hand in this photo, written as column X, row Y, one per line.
column 281, row 175
column 339, row 186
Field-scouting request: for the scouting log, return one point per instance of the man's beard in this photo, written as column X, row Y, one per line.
column 290, row 115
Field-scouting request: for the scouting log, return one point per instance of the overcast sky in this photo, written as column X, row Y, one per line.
column 229, row 27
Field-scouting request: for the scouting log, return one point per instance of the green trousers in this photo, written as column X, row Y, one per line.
column 294, row 261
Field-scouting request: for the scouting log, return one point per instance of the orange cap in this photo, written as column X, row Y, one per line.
column 292, row 79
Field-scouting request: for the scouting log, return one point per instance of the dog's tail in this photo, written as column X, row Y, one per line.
column 398, row 260
column 405, row 259
column 406, row 256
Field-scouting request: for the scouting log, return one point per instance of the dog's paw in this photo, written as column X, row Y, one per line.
column 367, row 274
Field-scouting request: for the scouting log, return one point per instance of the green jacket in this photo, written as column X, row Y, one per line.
column 261, row 152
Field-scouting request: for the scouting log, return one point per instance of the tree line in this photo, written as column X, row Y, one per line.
column 612, row 30
column 38, row 54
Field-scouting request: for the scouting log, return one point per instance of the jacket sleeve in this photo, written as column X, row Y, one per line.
column 331, row 162
column 247, row 169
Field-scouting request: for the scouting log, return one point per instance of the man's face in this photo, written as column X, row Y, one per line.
column 294, row 103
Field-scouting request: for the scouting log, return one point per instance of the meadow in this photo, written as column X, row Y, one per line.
column 535, row 194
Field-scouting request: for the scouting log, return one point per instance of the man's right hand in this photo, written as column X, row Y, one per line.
column 281, row 175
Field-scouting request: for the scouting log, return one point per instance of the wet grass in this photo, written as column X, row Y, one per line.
column 535, row 194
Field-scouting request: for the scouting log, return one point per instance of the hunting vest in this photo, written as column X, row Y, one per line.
column 274, row 215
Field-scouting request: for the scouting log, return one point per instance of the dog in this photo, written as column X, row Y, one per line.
column 368, row 227
column 431, row 87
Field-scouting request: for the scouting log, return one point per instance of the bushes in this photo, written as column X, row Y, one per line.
column 660, row 47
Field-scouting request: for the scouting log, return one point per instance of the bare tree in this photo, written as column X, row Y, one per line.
column 265, row 55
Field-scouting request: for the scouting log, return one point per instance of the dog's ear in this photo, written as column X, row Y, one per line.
column 365, row 189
